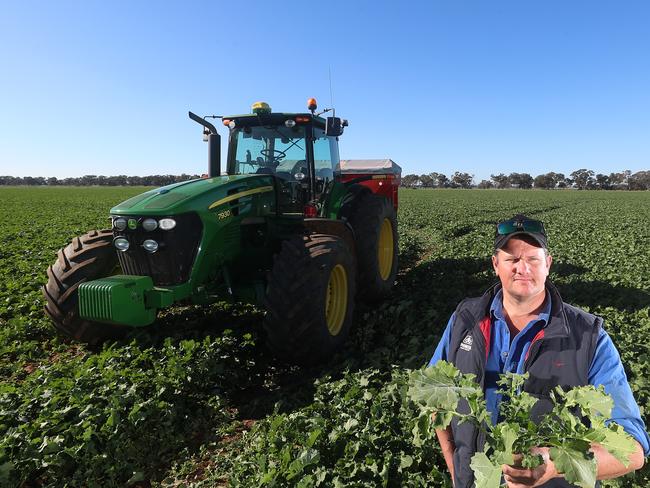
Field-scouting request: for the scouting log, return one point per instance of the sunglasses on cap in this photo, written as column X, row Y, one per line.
column 520, row 225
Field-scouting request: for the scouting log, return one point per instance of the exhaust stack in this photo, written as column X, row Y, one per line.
column 214, row 145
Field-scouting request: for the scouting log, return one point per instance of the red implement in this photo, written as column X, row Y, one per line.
column 382, row 176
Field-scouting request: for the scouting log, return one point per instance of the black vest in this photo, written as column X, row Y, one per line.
column 559, row 355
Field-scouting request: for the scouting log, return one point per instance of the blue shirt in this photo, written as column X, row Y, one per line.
column 509, row 356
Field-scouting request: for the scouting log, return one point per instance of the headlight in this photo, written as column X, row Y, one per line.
column 167, row 224
column 149, row 224
column 150, row 245
column 121, row 244
column 119, row 224
column 289, row 123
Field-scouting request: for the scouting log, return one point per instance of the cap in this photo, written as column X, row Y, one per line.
column 520, row 225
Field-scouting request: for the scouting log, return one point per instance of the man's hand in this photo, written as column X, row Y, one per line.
column 518, row 477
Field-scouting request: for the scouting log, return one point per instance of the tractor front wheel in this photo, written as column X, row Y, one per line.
column 88, row 257
column 310, row 298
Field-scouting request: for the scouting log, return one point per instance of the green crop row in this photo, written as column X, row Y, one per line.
column 196, row 400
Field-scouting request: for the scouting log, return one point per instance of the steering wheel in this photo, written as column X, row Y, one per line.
column 273, row 155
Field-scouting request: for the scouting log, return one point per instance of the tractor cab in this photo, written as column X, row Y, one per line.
column 299, row 149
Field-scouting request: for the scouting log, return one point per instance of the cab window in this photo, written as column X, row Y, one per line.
column 326, row 156
column 271, row 150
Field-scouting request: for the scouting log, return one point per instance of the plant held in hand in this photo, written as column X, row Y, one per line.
column 578, row 419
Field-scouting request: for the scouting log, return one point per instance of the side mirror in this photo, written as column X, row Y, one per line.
column 334, row 126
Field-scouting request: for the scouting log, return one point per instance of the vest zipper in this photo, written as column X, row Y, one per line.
column 482, row 359
column 479, row 436
column 479, row 444
column 532, row 353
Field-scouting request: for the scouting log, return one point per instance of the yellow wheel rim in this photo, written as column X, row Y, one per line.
column 336, row 299
column 385, row 249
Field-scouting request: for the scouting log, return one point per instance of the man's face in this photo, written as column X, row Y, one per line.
column 522, row 268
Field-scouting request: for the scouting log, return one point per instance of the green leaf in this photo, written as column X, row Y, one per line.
column 578, row 467
column 136, row 477
column 486, row 473
column 440, row 387
column 616, row 441
column 511, row 382
column 421, row 429
column 350, row 424
column 592, row 401
column 313, row 437
column 406, row 461
column 509, row 434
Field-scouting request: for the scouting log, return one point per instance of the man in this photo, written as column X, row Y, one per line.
column 522, row 325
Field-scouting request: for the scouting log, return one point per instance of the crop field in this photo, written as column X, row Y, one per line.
column 196, row 399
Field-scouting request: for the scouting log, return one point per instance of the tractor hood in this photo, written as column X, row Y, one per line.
column 194, row 195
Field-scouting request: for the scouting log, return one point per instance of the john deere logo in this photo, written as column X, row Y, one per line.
column 133, row 224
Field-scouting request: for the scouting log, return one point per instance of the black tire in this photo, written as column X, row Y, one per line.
column 88, row 257
column 296, row 321
column 367, row 214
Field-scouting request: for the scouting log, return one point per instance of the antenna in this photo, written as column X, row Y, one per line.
column 329, row 72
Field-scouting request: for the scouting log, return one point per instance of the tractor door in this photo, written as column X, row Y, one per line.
column 292, row 170
column 326, row 159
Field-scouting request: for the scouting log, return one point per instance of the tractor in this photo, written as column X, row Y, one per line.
column 287, row 226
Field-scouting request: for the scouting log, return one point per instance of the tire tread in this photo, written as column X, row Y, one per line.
column 87, row 257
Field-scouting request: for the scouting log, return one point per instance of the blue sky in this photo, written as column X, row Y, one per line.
column 483, row 87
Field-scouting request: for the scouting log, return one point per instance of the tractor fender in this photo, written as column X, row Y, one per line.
column 334, row 227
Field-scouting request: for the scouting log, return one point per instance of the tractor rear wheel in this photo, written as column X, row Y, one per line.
column 310, row 298
column 374, row 222
column 86, row 258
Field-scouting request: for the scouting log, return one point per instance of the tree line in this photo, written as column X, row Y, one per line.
column 90, row 180
column 581, row 179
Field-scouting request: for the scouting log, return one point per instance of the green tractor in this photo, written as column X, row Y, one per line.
column 287, row 226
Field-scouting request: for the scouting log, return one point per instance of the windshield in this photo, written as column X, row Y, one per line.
column 270, row 150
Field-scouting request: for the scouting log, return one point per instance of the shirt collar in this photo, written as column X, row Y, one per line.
column 496, row 308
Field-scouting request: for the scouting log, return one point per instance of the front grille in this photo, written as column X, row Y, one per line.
column 172, row 263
